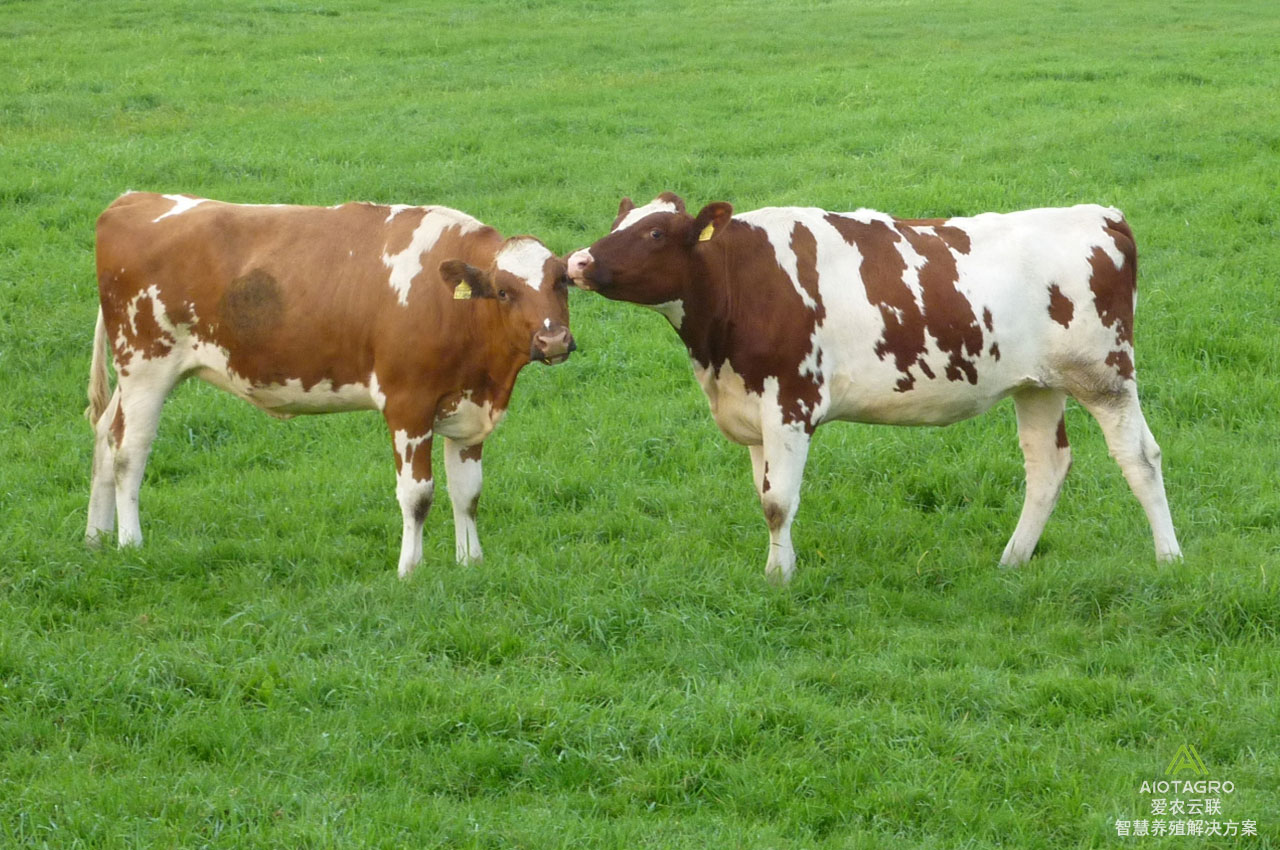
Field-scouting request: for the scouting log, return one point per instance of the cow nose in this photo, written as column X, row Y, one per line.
column 578, row 263
column 553, row 345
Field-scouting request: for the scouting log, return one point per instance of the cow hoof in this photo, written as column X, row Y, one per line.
column 1013, row 558
column 779, row 576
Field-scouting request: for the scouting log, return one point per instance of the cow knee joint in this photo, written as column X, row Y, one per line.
column 774, row 514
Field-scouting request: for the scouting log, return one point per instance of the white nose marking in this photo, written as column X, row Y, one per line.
column 578, row 262
column 546, row 323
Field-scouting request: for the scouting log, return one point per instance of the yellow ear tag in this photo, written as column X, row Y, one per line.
column 707, row 233
column 461, row 292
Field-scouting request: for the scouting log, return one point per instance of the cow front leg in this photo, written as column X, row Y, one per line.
column 780, row 470
column 415, row 488
column 464, row 478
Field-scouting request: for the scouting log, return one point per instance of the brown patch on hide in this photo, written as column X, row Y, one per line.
column 1061, row 309
column 948, row 315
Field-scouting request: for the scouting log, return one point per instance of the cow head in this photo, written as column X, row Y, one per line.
column 650, row 254
column 528, row 285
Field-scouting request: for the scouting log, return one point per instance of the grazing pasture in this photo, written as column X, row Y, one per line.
column 617, row 673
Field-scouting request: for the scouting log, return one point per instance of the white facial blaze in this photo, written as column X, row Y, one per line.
column 654, row 206
column 525, row 259
column 181, row 204
column 407, row 264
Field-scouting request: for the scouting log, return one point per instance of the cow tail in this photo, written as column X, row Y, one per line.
column 99, row 390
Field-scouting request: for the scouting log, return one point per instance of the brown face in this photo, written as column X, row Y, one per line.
column 649, row 256
column 529, row 286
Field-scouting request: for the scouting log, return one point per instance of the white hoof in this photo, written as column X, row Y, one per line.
column 779, row 574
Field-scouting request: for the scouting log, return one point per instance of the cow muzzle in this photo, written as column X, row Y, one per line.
column 579, row 265
column 552, row 345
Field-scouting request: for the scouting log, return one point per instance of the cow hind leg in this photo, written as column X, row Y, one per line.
column 464, row 477
column 102, row 487
column 1135, row 450
column 132, row 425
column 1047, row 457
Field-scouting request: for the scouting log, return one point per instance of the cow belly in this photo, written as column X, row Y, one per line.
column 928, row 403
column 291, row 398
column 283, row 399
column 869, row 382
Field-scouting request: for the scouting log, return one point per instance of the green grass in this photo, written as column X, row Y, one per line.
column 618, row 673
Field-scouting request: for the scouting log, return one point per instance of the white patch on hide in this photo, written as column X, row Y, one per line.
column 525, row 259
column 654, row 206
column 407, row 264
column 672, row 310
column 181, row 204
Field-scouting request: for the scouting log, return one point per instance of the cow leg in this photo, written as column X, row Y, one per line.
column 102, row 487
column 1043, row 437
column 780, row 471
column 132, row 425
column 1135, row 450
column 757, row 468
column 415, row 487
column 464, row 478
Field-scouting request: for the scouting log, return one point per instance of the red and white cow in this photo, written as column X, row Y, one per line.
column 421, row 313
column 796, row 316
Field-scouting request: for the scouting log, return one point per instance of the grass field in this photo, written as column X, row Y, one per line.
column 618, row 674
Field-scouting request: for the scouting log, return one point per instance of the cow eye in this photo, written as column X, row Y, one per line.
column 502, row 295
column 655, row 234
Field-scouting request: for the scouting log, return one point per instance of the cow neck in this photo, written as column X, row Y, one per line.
column 708, row 327
column 485, row 362
column 500, row 363
column 492, row 366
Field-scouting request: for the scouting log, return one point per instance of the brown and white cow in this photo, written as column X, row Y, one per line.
column 796, row 316
column 421, row 313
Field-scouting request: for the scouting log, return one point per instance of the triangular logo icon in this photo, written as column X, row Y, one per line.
column 1186, row 759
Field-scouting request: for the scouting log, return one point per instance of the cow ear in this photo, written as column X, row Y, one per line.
column 710, row 222
column 625, row 207
column 465, row 280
